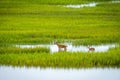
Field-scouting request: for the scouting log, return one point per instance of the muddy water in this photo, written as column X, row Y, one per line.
column 72, row 48
column 24, row 73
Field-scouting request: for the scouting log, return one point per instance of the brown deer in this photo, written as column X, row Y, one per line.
column 91, row 48
column 61, row 46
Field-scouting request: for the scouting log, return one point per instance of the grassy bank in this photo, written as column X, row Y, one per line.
column 63, row 59
column 36, row 23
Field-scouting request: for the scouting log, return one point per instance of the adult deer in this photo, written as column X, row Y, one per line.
column 61, row 46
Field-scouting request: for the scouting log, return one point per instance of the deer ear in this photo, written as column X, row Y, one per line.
column 88, row 46
column 54, row 42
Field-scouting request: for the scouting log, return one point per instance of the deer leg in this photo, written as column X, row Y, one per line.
column 59, row 49
column 65, row 48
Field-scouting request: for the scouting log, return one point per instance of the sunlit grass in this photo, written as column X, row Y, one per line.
column 39, row 21
column 63, row 59
column 4, row 50
column 51, row 2
column 50, row 22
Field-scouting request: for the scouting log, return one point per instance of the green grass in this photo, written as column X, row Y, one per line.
column 43, row 21
column 52, row 2
column 4, row 50
column 63, row 59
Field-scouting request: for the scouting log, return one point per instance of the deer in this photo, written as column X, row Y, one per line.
column 61, row 46
column 91, row 48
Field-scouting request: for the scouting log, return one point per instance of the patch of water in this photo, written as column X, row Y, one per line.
column 72, row 48
column 115, row 1
column 93, row 4
column 81, row 5
column 24, row 73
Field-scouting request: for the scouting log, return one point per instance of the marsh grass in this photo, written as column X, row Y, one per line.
column 63, row 59
column 16, row 50
column 34, row 23
column 38, row 21
column 50, row 2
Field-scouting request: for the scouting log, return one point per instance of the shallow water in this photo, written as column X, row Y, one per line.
column 72, row 48
column 24, row 73
column 115, row 1
column 81, row 5
column 93, row 4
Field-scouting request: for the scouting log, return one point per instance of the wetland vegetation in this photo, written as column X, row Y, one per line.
column 63, row 59
column 44, row 21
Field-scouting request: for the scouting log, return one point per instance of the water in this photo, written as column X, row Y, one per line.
column 115, row 1
column 81, row 5
column 24, row 73
column 93, row 4
column 72, row 48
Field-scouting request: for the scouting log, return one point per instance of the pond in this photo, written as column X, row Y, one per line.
column 37, row 73
column 72, row 48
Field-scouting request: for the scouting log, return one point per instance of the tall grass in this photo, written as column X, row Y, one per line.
column 4, row 50
column 49, row 1
column 63, row 59
column 36, row 23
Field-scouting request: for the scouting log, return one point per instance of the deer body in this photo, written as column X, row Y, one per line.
column 91, row 49
column 60, row 46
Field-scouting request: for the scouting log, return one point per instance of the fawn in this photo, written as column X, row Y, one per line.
column 91, row 48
